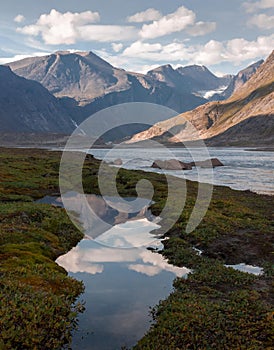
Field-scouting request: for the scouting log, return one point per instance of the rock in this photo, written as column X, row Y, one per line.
column 117, row 161
column 208, row 163
column 171, row 164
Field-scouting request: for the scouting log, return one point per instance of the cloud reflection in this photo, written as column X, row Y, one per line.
column 90, row 257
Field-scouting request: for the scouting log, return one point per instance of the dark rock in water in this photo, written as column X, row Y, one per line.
column 208, row 163
column 171, row 164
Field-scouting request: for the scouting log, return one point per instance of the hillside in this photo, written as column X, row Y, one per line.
column 26, row 106
column 254, row 99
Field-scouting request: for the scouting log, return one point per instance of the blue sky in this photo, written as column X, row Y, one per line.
column 139, row 35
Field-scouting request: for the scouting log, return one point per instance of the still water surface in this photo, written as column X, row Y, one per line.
column 120, row 287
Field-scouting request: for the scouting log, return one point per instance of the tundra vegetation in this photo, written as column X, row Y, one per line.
column 215, row 307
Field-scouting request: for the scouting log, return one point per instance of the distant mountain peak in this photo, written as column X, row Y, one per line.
column 164, row 67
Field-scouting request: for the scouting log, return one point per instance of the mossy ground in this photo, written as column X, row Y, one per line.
column 37, row 309
column 214, row 308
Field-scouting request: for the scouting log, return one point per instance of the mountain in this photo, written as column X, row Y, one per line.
column 248, row 116
column 82, row 76
column 195, row 79
column 82, row 79
column 238, row 81
column 202, row 79
column 26, row 106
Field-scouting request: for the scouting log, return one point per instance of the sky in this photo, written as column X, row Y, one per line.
column 225, row 36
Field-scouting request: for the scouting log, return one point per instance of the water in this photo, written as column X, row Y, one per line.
column 245, row 169
column 122, row 278
column 120, row 287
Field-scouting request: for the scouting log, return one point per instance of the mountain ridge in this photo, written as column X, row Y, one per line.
column 254, row 99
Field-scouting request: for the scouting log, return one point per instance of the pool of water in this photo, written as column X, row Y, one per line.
column 121, row 284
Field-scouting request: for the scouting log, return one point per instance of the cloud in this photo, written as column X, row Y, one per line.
column 236, row 50
column 145, row 16
column 58, row 28
column 4, row 60
column 240, row 50
column 171, row 23
column 258, row 5
column 201, row 28
column 19, row 19
column 116, row 47
column 262, row 21
column 107, row 33
column 181, row 19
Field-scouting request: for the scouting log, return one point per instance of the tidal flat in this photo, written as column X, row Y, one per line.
column 216, row 307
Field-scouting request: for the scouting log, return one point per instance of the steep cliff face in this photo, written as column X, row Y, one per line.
column 27, row 106
column 254, row 99
column 238, row 81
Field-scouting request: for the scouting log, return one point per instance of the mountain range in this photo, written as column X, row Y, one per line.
column 54, row 93
column 86, row 83
column 245, row 118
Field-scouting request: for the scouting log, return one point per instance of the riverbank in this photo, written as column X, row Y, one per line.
column 215, row 307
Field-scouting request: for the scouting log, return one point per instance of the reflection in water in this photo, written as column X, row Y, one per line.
column 89, row 256
column 120, row 284
column 98, row 214
column 255, row 270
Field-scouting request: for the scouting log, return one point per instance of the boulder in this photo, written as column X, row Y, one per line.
column 117, row 161
column 208, row 163
column 171, row 164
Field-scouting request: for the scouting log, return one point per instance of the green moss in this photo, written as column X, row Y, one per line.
column 37, row 309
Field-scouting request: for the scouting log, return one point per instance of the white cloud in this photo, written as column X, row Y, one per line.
column 107, row 33
column 145, row 16
column 258, row 5
column 262, row 21
column 19, row 19
column 60, row 28
column 211, row 53
column 143, row 50
column 171, row 23
column 116, row 47
column 4, row 60
column 236, row 51
column 240, row 50
column 66, row 28
column 201, row 28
